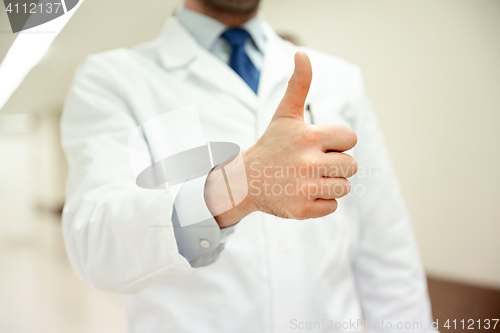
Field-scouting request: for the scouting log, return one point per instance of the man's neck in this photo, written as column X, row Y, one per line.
column 231, row 20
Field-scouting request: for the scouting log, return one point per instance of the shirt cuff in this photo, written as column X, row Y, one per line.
column 199, row 238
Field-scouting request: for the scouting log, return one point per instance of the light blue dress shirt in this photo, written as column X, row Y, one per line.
column 207, row 32
column 202, row 243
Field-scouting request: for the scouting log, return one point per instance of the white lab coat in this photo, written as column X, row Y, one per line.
column 274, row 275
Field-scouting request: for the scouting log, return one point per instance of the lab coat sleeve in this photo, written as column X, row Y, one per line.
column 119, row 237
column 193, row 240
column 389, row 275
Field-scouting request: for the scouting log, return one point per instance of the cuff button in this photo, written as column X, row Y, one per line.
column 205, row 243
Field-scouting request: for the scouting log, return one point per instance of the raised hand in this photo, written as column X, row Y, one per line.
column 295, row 170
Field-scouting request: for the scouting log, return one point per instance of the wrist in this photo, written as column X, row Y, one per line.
column 220, row 196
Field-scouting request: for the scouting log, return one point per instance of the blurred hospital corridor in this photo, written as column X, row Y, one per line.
column 39, row 291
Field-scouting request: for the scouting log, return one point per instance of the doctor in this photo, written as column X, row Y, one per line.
column 280, row 261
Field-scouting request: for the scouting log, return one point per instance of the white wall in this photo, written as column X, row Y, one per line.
column 17, row 184
column 432, row 69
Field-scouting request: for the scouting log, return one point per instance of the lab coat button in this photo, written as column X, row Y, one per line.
column 205, row 243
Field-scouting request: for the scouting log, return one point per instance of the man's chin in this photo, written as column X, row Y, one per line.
column 239, row 7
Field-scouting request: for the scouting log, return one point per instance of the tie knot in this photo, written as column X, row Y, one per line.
column 235, row 36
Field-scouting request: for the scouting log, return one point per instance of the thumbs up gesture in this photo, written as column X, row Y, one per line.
column 295, row 170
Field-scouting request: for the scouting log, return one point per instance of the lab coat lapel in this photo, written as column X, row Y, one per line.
column 278, row 64
column 179, row 49
column 276, row 70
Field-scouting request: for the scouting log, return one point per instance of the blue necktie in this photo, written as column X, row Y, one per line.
column 240, row 61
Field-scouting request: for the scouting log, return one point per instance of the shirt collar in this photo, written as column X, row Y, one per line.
column 255, row 28
column 206, row 30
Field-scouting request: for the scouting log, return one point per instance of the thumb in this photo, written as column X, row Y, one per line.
column 292, row 104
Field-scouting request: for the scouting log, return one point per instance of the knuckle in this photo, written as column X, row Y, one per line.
column 302, row 212
column 310, row 135
column 338, row 189
column 329, row 207
column 333, row 206
column 345, row 165
column 313, row 165
column 355, row 165
column 308, row 164
column 348, row 165
column 350, row 136
column 292, row 82
column 341, row 187
column 346, row 186
column 353, row 137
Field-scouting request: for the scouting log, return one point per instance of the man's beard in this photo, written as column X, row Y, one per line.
column 240, row 7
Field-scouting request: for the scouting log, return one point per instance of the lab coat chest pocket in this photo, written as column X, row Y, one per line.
column 326, row 112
